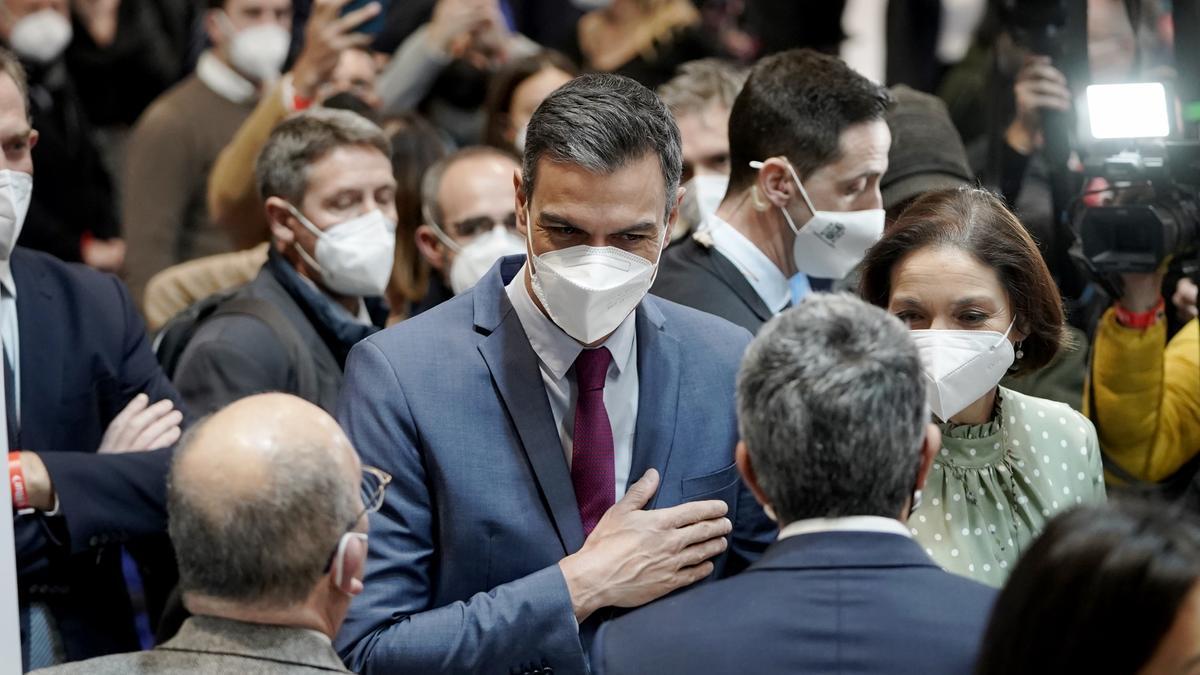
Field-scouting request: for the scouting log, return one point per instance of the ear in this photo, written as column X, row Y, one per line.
column 432, row 249
column 672, row 218
column 34, row 136
column 929, row 450
column 746, row 468
column 775, row 182
column 281, row 220
column 354, row 567
column 213, row 28
column 522, row 205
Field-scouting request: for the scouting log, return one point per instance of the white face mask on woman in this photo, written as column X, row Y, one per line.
column 588, row 291
column 960, row 366
column 832, row 243
column 355, row 256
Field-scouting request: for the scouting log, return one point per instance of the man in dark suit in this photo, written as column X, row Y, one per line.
column 808, row 144
column 79, row 378
column 836, row 444
column 515, row 416
column 329, row 194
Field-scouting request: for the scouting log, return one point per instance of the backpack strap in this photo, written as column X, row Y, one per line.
column 306, row 373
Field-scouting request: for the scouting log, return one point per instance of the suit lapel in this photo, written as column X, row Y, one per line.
column 40, row 327
column 658, row 361
column 513, row 366
column 725, row 270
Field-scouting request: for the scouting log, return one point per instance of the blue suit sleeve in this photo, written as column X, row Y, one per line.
column 140, row 371
column 393, row 626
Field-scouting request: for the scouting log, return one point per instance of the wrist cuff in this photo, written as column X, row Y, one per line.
column 16, row 482
column 1141, row 320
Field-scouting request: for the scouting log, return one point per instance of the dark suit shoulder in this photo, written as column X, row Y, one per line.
column 700, row 277
column 73, row 278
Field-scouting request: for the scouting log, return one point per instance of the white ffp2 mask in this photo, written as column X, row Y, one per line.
column 588, row 291
column 353, row 257
column 42, row 36
column 832, row 243
column 16, row 191
column 472, row 261
column 960, row 366
column 259, row 51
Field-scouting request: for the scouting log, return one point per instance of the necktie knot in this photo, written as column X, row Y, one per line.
column 591, row 368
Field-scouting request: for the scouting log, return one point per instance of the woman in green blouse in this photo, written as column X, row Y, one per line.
column 967, row 278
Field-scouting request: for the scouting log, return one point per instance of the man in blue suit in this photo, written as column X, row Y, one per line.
column 562, row 443
column 836, row 443
column 82, row 389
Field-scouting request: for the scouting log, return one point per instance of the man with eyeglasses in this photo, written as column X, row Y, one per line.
column 467, row 205
column 270, row 554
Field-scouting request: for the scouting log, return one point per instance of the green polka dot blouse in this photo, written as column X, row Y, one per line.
column 993, row 486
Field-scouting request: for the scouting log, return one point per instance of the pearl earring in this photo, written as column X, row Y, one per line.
column 1020, row 353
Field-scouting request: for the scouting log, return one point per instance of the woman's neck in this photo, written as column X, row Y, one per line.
column 979, row 412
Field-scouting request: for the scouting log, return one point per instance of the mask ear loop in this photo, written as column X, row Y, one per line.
column 757, row 165
column 438, row 231
column 339, row 559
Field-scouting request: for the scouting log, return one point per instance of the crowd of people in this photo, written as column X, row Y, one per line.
column 581, row 336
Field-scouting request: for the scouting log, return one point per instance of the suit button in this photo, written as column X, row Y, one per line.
column 94, row 541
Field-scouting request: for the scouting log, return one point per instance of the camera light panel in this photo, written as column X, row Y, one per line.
column 1137, row 110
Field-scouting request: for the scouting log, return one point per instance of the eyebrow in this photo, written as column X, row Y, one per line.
column 562, row 221
column 961, row 302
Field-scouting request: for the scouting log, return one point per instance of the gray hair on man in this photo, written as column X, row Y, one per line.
column 702, row 83
column 831, row 407
column 301, row 140
column 602, row 122
column 266, row 547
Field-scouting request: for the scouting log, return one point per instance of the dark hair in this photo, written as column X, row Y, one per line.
column 977, row 222
column 797, row 104
column 602, row 122
column 504, row 83
column 1095, row 593
column 344, row 100
column 831, row 407
column 416, row 146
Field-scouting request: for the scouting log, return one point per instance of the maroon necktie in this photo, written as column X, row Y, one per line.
column 592, row 471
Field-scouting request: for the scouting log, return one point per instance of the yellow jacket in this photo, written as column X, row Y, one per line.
column 233, row 200
column 1147, row 398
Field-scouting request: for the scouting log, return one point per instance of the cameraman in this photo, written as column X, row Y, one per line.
column 1146, row 390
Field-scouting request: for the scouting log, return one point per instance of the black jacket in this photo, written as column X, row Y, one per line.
column 234, row 356
column 83, row 356
column 696, row 275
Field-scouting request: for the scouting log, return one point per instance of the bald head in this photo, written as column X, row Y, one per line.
column 259, row 495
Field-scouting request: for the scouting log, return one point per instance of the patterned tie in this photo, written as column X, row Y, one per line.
column 592, row 472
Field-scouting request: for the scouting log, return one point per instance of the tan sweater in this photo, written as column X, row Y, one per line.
column 170, row 153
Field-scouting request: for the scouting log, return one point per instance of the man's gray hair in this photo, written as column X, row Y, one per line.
column 602, row 122
column 702, row 83
column 267, row 549
column 431, row 181
column 304, row 139
column 831, row 406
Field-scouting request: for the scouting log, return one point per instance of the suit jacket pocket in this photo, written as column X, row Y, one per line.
column 709, row 484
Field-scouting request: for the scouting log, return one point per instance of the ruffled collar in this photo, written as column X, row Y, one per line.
column 975, row 444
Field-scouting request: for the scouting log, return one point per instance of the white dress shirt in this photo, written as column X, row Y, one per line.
column 10, row 333
column 557, row 351
column 764, row 276
column 848, row 524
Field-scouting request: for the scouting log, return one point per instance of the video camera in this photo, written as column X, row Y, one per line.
column 1156, row 215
